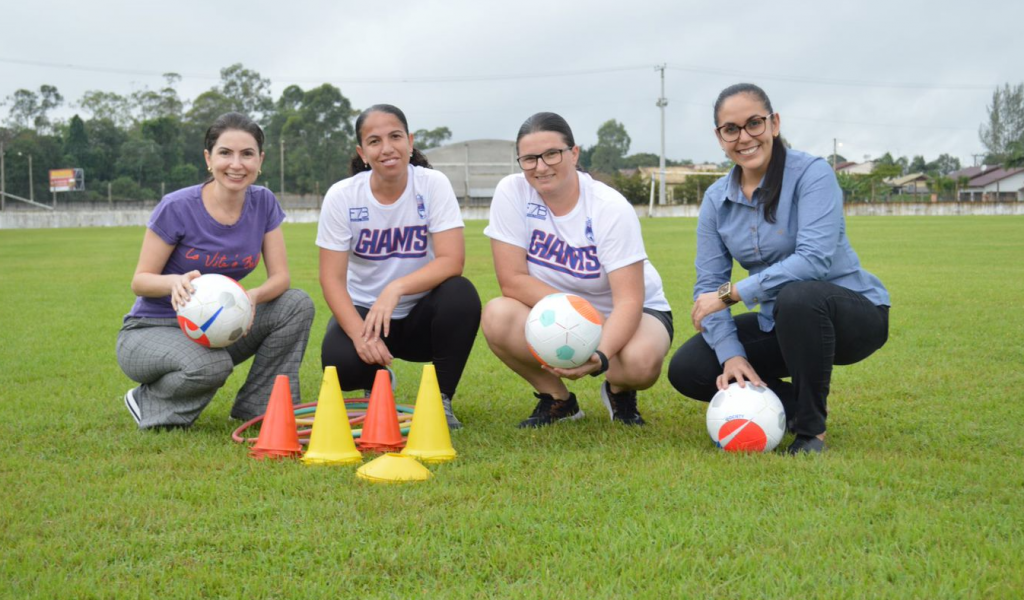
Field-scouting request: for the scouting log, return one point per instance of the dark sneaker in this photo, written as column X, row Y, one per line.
column 621, row 406
column 550, row 411
column 806, row 444
column 394, row 382
column 453, row 421
column 132, row 406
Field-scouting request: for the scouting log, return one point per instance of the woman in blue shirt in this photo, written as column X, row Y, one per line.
column 779, row 214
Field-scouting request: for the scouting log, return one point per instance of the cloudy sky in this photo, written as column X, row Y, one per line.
column 907, row 77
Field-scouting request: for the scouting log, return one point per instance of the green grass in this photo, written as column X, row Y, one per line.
column 919, row 496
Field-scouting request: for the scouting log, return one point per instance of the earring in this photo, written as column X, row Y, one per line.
column 259, row 173
column 411, row 153
column 209, row 169
column 366, row 165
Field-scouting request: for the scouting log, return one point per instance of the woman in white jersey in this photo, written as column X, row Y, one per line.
column 542, row 218
column 391, row 259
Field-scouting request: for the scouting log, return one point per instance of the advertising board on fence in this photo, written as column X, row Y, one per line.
column 67, row 180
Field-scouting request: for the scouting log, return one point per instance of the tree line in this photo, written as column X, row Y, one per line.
column 151, row 140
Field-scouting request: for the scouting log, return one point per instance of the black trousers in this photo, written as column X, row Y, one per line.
column 441, row 329
column 817, row 325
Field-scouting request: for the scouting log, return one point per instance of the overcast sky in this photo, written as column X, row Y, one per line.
column 906, row 77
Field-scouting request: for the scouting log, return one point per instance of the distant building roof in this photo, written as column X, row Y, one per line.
column 676, row 175
column 844, row 164
column 972, row 172
column 902, row 181
column 993, row 176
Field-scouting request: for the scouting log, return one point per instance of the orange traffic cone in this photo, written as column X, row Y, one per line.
column 278, row 436
column 330, row 442
column 429, row 438
column 381, row 432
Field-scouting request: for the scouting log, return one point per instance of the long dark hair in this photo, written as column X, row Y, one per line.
column 358, row 165
column 547, row 121
column 772, row 187
column 231, row 121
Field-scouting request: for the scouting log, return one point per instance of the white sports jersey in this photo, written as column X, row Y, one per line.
column 574, row 253
column 386, row 241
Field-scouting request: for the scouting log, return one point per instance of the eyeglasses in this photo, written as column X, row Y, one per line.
column 550, row 158
column 730, row 132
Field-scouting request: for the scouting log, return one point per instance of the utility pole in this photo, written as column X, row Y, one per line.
column 282, row 167
column 834, row 144
column 975, row 156
column 31, row 189
column 662, row 103
column 3, row 179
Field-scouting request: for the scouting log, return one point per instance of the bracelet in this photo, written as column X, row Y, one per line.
column 604, row 364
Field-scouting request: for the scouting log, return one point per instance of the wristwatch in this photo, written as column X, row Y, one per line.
column 725, row 293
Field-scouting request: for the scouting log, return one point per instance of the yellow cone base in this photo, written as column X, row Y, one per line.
column 393, row 468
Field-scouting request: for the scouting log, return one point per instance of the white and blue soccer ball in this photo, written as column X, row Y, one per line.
column 218, row 312
column 563, row 330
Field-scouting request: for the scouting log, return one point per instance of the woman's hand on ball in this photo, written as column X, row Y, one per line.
column 181, row 289
column 592, row 365
column 738, row 369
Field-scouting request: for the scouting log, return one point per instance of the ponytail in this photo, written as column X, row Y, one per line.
column 771, row 190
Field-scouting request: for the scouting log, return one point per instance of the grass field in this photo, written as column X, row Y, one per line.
column 919, row 496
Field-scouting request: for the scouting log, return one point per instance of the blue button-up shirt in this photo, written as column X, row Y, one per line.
column 807, row 242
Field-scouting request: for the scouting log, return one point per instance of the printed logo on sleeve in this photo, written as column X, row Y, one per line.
column 536, row 211
column 360, row 213
column 589, row 231
column 548, row 251
column 420, row 208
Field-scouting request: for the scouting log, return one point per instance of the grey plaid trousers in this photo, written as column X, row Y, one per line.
column 179, row 377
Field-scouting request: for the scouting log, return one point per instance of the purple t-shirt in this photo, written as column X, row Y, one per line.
column 201, row 243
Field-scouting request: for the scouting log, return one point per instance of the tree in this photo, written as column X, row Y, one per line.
column 107, row 105
column 943, row 165
column 917, row 165
column 140, row 159
column 693, row 187
column 426, row 139
column 29, row 109
column 612, row 146
column 1005, row 122
column 76, row 142
column 248, row 93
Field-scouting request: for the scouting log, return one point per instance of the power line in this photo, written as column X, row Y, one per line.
column 841, row 82
column 520, row 76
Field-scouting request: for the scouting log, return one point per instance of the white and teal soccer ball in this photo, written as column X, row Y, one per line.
column 563, row 330
column 218, row 312
column 746, row 419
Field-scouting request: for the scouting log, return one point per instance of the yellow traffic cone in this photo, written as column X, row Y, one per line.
column 330, row 442
column 429, row 439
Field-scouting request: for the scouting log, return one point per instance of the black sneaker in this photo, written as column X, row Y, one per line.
column 550, row 411
column 621, row 406
column 806, row 444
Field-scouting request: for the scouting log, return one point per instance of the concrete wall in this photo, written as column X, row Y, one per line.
column 24, row 219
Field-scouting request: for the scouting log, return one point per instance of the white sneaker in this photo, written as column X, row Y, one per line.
column 133, row 406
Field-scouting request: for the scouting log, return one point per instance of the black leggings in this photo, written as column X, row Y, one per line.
column 817, row 325
column 441, row 329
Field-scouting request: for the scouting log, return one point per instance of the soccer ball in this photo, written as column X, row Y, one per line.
column 563, row 330
column 746, row 419
column 217, row 313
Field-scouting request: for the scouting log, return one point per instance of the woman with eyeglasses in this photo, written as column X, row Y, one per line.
column 779, row 214
column 554, row 229
column 391, row 260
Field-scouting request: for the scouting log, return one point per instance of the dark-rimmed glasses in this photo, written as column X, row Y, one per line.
column 550, row 157
column 730, row 132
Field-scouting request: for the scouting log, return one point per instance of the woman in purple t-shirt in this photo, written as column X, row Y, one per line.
column 221, row 226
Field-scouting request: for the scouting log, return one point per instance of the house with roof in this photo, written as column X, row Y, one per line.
column 913, row 183
column 995, row 185
column 852, row 168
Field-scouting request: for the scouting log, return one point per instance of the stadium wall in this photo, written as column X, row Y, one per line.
column 25, row 219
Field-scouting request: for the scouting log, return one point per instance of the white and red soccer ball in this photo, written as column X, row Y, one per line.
column 218, row 312
column 746, row 419
column 563, row 330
